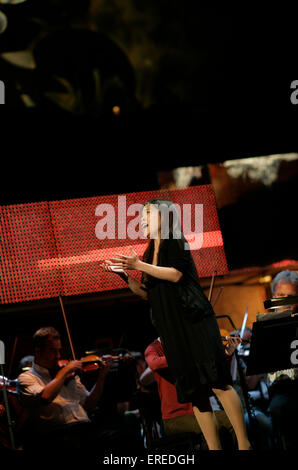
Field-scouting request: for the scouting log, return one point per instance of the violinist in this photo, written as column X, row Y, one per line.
column 283, row 384
column 257, row 396
column 55, row 397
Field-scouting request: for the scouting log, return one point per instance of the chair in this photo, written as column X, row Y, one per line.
column 154, row 439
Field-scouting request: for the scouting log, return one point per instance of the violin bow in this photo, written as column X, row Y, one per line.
column 234, row 365
column 217, row 297
column 212, row 284
column 67, row 328
column 243, row 324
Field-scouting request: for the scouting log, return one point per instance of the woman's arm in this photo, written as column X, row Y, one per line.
column 160, row 272
column 135, row 286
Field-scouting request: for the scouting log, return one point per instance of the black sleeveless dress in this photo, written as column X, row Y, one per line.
column 186, row 324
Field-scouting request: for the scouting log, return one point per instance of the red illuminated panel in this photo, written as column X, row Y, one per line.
column 52, row 248
column 26, row 236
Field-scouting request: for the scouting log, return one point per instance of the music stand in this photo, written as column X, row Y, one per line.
column 270, row 348
column 281, row 302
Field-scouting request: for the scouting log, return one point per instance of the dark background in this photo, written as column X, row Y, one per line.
column 218, row 88
column 195, row 84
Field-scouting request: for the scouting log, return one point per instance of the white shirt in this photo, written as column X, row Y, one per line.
column 66, row 407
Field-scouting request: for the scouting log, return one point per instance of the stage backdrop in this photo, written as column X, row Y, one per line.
column 51, row 248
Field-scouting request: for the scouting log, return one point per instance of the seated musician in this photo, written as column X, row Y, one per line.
column 178, row 417
column 283, row 384
column 252, row 381
column 260, row 430
column 284, row 284
column 57, row 401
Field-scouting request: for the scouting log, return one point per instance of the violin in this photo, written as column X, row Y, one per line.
column 91, row 362
column 225, row 336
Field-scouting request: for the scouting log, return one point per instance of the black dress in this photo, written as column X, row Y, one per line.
column 186, row 324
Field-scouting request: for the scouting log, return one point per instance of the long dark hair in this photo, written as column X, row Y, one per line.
column 173, row 229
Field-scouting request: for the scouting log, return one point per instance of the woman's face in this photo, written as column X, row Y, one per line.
column 150, row 221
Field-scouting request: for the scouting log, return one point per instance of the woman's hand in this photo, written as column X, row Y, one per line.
column 110, row 267
column 127, row 262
